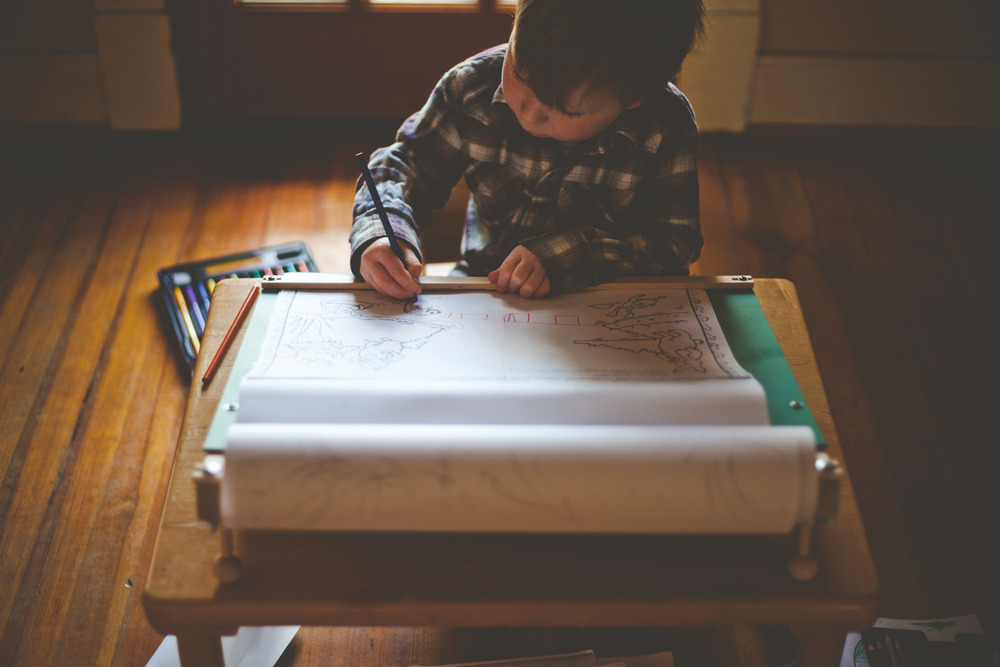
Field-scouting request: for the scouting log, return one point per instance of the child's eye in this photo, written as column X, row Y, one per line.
column 572, row 114
column 519, row 77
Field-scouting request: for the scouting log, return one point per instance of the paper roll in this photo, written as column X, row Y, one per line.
column 503, row 478
column 332, row 401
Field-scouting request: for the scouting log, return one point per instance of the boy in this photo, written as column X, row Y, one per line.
column 579, row 154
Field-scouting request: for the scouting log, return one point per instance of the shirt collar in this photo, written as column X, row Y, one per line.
column 498, row 96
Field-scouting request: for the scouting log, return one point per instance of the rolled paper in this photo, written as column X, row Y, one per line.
column 519, row 478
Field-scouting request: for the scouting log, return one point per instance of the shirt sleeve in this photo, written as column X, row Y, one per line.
column 658, row 234
column 413, row 176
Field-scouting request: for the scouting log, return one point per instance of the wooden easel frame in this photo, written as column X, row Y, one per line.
column 481, row 581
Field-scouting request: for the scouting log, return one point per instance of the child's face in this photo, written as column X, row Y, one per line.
column 585, row 115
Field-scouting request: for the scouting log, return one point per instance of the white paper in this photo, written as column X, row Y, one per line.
column 604, row 411
column 387, row 401
column 609, row 479
column 935, row 629
column 664, row 659
column 579, row 659
column 249, row 647
column 625, row 335
column 605, row 357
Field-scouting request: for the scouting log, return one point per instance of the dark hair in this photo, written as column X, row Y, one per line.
column 629, row 48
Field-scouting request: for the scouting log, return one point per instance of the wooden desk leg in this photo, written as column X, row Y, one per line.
column 819, row 646
column 749, row 647
column 228, row 566
column 803, row 566
column 198, row 650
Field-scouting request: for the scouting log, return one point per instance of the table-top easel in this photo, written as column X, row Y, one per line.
column 331, row 579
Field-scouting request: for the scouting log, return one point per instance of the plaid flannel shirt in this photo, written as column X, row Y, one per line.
column 624, row 202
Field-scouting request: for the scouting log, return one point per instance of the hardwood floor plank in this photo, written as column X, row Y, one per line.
column 115, row 502
column 717, row 214
column 850, row 283
column 47, row 213
column 59, row 343
column 791, row 208
column 883, row 348
column 331, row 229
column 127, row 638
column 134, row 641
column 91, row 448
column 736, row 234
column 942, row 355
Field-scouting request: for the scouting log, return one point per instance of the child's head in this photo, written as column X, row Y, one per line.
column 572, row 66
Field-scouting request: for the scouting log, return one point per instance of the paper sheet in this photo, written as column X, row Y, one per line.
column 579, row 659
column 608, row 479
column 329, row 401
column 249, row 647
column 603, row 411
column 613, row 357
column 623, row 335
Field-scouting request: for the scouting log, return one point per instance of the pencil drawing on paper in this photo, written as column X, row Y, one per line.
column 610, row 335
column 332, row 335
column 640, row 325
column 373, row 487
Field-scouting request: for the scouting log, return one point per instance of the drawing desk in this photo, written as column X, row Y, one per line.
column 476, row 580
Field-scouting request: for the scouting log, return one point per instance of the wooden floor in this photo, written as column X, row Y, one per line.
column 893, row 240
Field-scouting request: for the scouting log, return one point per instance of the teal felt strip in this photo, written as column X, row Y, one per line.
column 756, row 349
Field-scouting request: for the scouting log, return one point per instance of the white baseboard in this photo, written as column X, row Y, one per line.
column 137, row 65
column 130, row 83
column 717, row 76
column 795, row 90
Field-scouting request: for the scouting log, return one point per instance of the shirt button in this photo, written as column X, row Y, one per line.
column 568, row 280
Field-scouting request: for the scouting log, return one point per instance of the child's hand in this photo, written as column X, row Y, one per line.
column 521, row 273
column 382, row 269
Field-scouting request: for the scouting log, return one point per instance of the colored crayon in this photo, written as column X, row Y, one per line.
column 205, row 296
column 195, row 308
column 187, row 288
column 186, row 317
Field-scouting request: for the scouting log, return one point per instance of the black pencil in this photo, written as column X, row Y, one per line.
column 370, row 182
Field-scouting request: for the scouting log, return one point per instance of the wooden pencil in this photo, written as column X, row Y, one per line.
column 380, row 207
column 228, row 339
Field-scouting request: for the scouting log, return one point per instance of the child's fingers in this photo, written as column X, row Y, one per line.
column 382, row 270
column 500, row 278
column 521, row 273
column 393, row 281
column 415, row 269
column 543, row 288
column 525, row 279
column 399, row 280
column 503, row 276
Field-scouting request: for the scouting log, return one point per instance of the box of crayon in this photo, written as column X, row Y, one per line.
column 186, row 289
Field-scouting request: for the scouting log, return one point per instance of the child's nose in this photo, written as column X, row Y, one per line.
column 533, row 111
